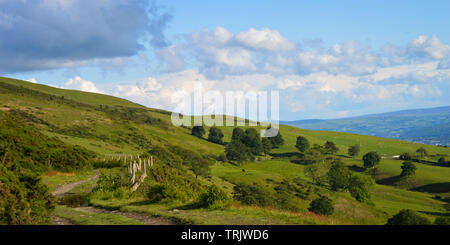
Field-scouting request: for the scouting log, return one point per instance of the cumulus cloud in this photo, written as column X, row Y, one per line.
column 264, row 39
column 79, row 84
column 42, row 34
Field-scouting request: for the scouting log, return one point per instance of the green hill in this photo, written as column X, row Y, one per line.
column 104, row 126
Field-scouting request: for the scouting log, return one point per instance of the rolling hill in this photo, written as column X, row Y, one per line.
column 428, row 126
column 101, row 126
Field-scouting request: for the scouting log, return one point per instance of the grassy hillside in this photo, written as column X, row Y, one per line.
column 111, row 126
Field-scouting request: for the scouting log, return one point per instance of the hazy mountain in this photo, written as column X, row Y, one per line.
column 429, row 125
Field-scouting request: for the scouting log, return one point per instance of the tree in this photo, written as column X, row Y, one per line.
column 277, row 140
column 408, row 217
column 237, row 151
column 267, row 145
column 359, row 188
column 238, row 134
column 201, row 168
column 442, row 161
column 354, row 150
column 322, row 205
column 215, row 135
column 405, row 156
column 252, row 140
column 422, row 152
column 302, row 144
column 330, row 148
column 442, row 220
column 318, row 172
column 371, row 159
column 408, row 169
column 198, row 131
column 339, row 176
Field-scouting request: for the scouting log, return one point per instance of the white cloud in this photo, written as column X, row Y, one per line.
column 431, row 47
column 79, row 84
column 264, row 39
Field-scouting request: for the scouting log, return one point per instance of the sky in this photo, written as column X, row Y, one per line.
column 327, row 59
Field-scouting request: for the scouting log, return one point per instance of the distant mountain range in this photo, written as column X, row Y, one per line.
column 429, row 126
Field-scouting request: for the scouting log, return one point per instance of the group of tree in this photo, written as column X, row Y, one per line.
column 303, row 145
column 245, row 145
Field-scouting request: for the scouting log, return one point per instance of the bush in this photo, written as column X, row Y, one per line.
column 408, row 217
column 164, row 193
column 222, row 158
column 215, row 135
column 322, row 205
column 25, row 200
column 215, row 198
column 198, row 131
column 252, row 195
column 442, row 220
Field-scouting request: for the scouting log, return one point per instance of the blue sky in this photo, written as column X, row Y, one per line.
column 327, row 58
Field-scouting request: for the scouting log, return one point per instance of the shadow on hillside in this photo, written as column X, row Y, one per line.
column 434, row 188
column 389, row 181
column 356, row 168
column 435, row 213
column 286, row 155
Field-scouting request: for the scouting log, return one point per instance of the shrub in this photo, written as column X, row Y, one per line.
column 252, row 195
column 165, row 193
column 330, row 147
column 215, row 198
column 222, row 158
column 408, row 217
column 442, row 220
column 322, row 205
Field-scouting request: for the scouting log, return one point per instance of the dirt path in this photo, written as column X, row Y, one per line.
column 144, row 218
column 66, row 188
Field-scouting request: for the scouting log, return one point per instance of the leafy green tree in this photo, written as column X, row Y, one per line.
column 302, row 144
column 330, row 148
column 371, row 159
column 354, row 150
column 408, row 169
column 267, row 145
column 322, row 205
column 359, row 188
column 201, row 168
column 215, row 135
column 238, row 134
column 408, row 217
column 339, row 176
column 277, row 140
column 318, row 171
column 405, row 156
column 422, row 152
column 198, row 131
column 237, row 151
column 442, row 161
column 252, row 140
